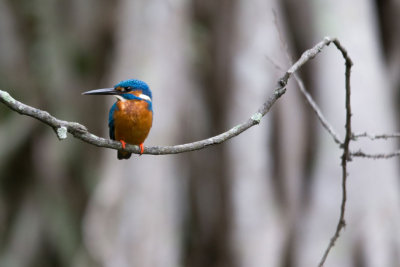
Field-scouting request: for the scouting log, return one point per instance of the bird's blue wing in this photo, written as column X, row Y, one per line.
column 111, row 121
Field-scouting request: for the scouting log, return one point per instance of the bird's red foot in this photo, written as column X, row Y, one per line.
column 123, row 144
column 141, row 149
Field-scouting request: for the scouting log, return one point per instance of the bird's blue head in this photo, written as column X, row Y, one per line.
column 127, row 90
column 132, row 85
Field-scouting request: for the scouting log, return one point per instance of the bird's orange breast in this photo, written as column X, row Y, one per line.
column 132, row 121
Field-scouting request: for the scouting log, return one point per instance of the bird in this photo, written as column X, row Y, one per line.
column 131, row 116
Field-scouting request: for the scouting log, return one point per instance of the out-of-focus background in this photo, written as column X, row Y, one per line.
column 269, row 197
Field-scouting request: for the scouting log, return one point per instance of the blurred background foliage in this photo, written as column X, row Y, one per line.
column 270, row 197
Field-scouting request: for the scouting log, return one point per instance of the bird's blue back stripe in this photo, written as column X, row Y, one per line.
column 111, row 121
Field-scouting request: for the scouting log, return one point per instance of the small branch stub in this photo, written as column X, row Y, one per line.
column 62, row 132
column 257, row 117
column 6, row 96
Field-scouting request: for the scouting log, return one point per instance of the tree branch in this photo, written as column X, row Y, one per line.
column 79, row 131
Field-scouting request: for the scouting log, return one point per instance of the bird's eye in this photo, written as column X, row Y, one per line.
column 128, row 88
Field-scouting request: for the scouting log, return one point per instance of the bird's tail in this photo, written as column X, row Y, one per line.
column 123, row 154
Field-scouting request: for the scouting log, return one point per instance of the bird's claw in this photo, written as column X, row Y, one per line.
column 123, row 143
column 141, row 149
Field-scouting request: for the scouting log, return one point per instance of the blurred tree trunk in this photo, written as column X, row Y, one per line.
column 299, row 36
column 260, row 225
column 210, row 210
column 389, row 11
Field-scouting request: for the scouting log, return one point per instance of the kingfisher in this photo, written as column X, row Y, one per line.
column 131, row 116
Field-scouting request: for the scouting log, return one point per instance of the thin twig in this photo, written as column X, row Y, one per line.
column 362, row 154
column 317, row 111
column 274, row 63
column 346, row 152
column 375, row 136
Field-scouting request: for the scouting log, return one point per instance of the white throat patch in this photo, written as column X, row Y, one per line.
column 145, row 97
column 141, row 96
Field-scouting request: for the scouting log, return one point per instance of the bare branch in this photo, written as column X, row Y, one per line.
column 346, row 152
column 79, row 131
column 362, row 154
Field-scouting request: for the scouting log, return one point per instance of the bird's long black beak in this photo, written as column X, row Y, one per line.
column 104, row 91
